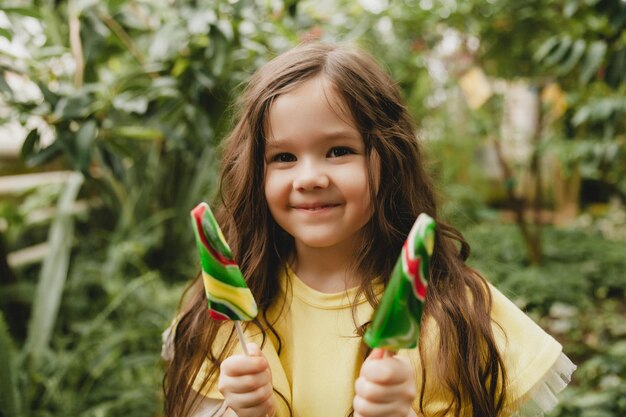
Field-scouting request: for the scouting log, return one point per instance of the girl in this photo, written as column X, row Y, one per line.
column 321, row 181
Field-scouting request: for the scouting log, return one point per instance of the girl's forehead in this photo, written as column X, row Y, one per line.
column 332, row 96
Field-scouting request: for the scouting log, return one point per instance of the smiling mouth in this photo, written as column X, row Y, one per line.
column 315, row 208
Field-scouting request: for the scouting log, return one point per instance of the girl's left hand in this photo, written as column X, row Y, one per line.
column 385, row 387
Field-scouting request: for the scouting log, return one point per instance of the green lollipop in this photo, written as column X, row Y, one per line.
column 228, row 296
column 396, row 324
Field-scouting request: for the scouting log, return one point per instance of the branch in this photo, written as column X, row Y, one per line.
column 518, row 206
column 77, row 49
column 125, row 39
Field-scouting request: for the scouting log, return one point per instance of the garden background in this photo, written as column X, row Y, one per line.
column 111, row 113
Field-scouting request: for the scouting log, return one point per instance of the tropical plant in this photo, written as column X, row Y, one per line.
column 136, row 95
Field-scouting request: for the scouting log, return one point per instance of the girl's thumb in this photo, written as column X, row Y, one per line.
column 377, row 353
column 253, row 349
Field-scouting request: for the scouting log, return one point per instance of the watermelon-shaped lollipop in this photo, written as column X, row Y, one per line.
column 229, row 297
column 396, row 324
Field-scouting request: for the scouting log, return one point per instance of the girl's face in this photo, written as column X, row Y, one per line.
column 316, row 177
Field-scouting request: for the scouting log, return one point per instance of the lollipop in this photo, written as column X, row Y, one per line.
column 229, row 297
column 396, row 323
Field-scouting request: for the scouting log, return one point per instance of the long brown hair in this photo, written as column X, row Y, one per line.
column 469, row 365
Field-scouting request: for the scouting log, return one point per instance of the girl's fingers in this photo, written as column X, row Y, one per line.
column 377, row 353
column 378, row 393
column 267, row 408
column 365, row 408
column 385, row 387
column 252, row 399
column 387, row 371
column 253, row 349
column 238, row 365
column 245, row 383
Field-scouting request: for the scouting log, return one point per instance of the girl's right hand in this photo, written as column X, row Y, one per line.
column 246, row 384
column 385, row 387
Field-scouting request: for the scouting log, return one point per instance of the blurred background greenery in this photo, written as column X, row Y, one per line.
column 111, row 113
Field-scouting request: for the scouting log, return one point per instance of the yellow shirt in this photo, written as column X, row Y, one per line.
column 320, row 359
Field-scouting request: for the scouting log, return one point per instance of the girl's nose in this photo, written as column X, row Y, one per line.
column 311, row 176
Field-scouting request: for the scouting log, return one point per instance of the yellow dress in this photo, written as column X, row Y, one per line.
column 319, row 359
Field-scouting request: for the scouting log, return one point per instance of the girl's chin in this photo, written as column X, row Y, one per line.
column 316, row 243
column 323, row 242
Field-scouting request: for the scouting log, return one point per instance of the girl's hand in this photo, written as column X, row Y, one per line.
column 246, row 384
column 385, row 387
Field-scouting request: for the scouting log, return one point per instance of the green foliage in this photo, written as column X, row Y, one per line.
column 142, row 119
column 602, row 389
column 581, row 267
column 591, row 43
column 588, row 57
column 143, row 124
column 10, row 398
column 105, row 356
column 577, row 295
column 53, row 272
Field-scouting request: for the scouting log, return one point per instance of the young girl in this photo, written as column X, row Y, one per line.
column 321, row 181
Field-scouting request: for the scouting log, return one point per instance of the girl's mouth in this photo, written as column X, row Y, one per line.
column 315, row 207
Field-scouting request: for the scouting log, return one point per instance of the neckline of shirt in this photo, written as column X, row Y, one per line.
column 322, row 300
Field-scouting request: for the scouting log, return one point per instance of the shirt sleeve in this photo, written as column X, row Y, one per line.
column 535, row 365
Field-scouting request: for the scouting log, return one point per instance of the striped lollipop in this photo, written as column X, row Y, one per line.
column 396, row 324
column 229, row 297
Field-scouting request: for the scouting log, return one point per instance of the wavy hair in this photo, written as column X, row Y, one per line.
column 458, row 299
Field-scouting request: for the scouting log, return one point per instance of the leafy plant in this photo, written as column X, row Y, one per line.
column 577, row 295
column 10, row 398
column 136, row 96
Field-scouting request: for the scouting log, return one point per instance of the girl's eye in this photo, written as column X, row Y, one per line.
column 339, row 151
column 283, row 157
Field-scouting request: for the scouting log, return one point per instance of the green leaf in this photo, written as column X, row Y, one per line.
column 73, row 107
column 18, row 292
column 576, row 52
column 22, row 11
column 180, row 65
column 616, row 70
column 4, row 86
column 138, row 132
column 84, row 140
column 219, row 57
column 593, row 59
column 547, row 47
column 81, row 5
column 559, row 53
column 53, row 272
column 226, row 29
column 43, row 156
column 571, row 7
column 581, row 116
column 10, row 400
column 30, row 144
column 5, row 33
column 130, row 102
column 603, row 109
column 205, row 79
column 48, row 96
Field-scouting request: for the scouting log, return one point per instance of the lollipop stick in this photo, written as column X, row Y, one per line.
column 242, row 340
